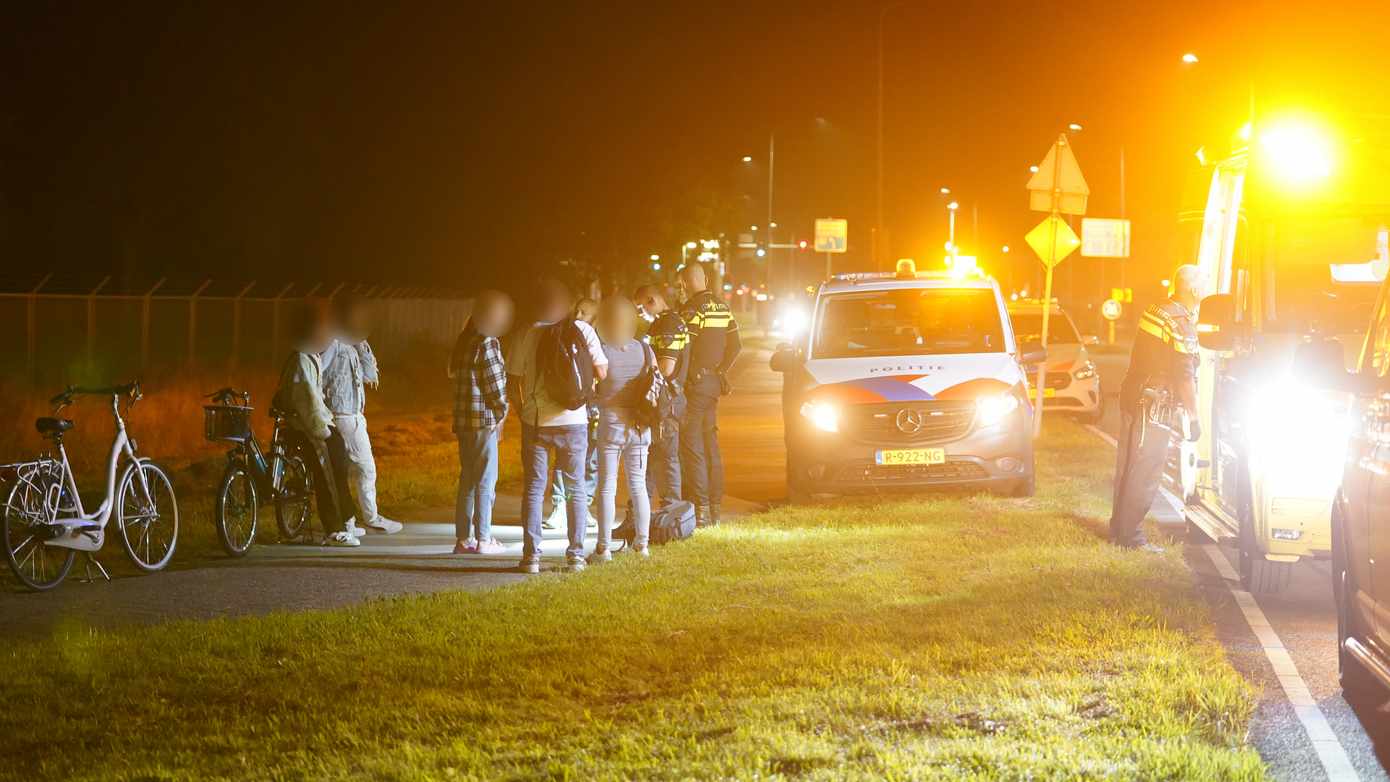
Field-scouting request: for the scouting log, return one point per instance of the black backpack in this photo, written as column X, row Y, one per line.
column 565, row 365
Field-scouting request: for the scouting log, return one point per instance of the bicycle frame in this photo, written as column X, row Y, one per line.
column 87, row 531
column 271, row 477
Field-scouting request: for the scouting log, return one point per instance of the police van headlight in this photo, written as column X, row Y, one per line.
column 1085, row 372
column 822, row 415
column 994, row 408
column 1298, row 437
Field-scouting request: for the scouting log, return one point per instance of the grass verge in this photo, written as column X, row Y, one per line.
column 963, row 637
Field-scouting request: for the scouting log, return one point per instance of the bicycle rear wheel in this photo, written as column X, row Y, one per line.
column 36, row 564
column 294, row 501
column 147, row 520
column 237, row 510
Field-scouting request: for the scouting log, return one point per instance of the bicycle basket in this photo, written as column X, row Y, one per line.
column 227, row 422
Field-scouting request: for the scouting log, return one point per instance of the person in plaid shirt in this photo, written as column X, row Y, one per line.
column 480, row 410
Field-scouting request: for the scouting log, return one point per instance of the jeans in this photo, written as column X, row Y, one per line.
column 702, row 466
column 557, row 480
column 621, row 439
column 664, row 466
column 477, row 484
column 361, row 465
column 570, row 445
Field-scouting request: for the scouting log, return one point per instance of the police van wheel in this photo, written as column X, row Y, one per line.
column 1262, row 577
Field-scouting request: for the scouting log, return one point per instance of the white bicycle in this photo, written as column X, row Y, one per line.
column 45, row 525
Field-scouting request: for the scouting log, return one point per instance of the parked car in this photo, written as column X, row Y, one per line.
column 1071, row 383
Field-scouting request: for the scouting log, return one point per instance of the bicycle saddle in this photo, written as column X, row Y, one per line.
column 51, row 426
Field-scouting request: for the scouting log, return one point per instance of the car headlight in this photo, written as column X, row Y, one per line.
column 1085, row 372
column 792, row 322
column 822, row 415
column 991, row 409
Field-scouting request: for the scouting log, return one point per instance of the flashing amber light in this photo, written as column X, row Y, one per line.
column 906, row 269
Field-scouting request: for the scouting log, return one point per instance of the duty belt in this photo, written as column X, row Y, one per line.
column 1158, row 407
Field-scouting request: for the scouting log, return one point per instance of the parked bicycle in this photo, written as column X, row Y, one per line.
column 284, row 478
column 45, row 524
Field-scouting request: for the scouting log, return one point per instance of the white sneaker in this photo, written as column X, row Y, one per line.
column 353, row 529
column 385, row 526
column 491, row 546
column 344, row 539
column 556, row 519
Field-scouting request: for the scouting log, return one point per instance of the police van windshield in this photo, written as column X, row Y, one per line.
column 1303, row 298
column 909, row 322
column 1028, row 328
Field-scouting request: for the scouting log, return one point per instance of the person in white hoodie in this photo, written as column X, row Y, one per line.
column 349, row 366
column 311, row 430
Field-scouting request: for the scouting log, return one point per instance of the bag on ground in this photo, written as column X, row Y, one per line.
column 566, row 368
column 675, row 521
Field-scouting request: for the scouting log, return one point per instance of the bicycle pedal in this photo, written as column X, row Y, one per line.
column 87, row 566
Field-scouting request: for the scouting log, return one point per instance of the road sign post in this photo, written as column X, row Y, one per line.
column 1059, row 188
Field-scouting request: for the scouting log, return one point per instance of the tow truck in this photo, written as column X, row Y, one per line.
column 1291, row 249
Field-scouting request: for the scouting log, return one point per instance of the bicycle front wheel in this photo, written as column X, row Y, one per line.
column 237, row 510
column 293, row 502
column 147, row 516
column 36, row 564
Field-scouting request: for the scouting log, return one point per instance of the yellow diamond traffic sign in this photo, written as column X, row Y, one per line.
column 1052, row 240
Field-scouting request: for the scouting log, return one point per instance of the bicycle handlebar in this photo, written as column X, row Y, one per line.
column 65, row 396
column 226, row 395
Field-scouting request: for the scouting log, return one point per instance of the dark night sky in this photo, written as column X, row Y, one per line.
column 457, row 143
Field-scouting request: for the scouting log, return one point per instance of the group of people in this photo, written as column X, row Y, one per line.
column 650, row 376
column 323, row 393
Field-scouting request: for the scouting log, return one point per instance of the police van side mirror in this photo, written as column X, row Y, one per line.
column 1216, row 322
column 785, row 359
column 1031, row 353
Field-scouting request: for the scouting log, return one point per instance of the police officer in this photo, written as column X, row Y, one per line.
column 1162, row 379
column 670, row 340
column 714, row 344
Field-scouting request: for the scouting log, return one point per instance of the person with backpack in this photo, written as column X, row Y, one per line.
column 553, row 373
column 311, row 432
column 480, row 409
column 625, row 422
column 585, row 311
column 714, row 345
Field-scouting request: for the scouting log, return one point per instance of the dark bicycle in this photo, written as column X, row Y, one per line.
column 283, row 477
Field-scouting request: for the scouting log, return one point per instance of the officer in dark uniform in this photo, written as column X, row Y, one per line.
column 1162, row 379
column 670, row 340
column 714, row 344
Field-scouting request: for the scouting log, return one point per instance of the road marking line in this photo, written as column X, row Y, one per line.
column 1331, row 754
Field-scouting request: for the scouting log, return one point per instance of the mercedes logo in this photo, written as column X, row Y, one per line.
column 909, row 421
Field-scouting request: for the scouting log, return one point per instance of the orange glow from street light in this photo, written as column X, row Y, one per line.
column 1190, row 58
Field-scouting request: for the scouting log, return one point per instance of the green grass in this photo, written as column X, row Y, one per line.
column 962, row 637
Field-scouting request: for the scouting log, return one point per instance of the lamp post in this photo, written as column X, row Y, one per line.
column 878, row 220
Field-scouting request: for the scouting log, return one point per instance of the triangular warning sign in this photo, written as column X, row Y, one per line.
column 1058, row 184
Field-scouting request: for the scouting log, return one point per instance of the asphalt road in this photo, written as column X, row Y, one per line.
column 1304, row 618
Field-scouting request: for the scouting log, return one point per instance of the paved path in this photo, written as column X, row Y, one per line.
column 417, row 560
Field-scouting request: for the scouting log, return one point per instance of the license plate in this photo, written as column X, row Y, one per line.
column 911, row 456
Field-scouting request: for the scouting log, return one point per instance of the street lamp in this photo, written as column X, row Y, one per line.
column 748, row 158
column 1032, row 169
column 1074, row 127
column 878, row 221
column 945, row 191
column 1189, row 58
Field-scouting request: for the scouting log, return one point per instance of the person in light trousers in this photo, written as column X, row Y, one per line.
column 622, row 440
column 480, row 410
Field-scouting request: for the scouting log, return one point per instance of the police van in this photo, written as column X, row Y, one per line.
column 907, row 380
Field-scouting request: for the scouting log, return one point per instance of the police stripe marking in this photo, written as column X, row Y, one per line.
column 1331, row 754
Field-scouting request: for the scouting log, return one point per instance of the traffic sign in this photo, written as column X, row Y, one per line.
column 832, row 235
column 1052, row 240
column 1058, row 185
column 1104, row 237
column 1111, row 309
